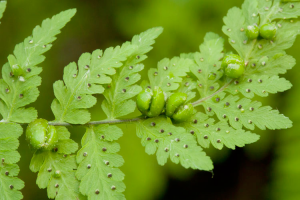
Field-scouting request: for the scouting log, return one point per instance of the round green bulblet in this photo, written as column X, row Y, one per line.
column 15, row 67
column 174, row 101
column 52, row 138
column 40, row 135
column 231, row 58
column 234, row 70
column 157, row 103
column 151, row 103
column 268, row 31
column 143, row 100
column 183, row 113
column 57, row 174
column 233, row 66
column 252, row 32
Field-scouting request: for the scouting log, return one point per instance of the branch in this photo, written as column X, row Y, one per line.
column 122, row 121
column 196, row 103
column 115, row 121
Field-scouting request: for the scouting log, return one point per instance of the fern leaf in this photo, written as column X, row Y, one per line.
column 98, row 164
column 74, row 94
column 275, row 65
column 47, row 163
column 2, row 8
column 218, row 134
column 260, row 85
column 237, row 20
column 18, row 92
column 244, row 112
column 169, row 73
column 285, row 10
column 284, row 39
column 166, row 140
column 234, row 28
column 9, row 183
column 123, row 87
column 187, row 86
column 207, row 70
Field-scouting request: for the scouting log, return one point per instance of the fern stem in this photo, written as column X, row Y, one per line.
column 114, row 121
column 196, row 103
column 122, row 121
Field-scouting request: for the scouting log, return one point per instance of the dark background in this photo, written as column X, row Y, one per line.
column 268, row 169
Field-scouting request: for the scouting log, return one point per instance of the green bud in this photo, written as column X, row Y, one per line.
column 40, row 135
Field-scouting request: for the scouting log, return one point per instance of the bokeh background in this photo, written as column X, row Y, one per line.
column 268, row 169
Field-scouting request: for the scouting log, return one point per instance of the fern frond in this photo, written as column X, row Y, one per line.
column 218, row 134
column 260, row 85
column 98, row 163
column 47, row 163
column 17, row 92
column 74, row 94
column 169, row 73
column 187, row 86
column 2, row 8
column 9, row 183
column 207, row 71
column 160, row 136
column 247, row 113
column 123, row 87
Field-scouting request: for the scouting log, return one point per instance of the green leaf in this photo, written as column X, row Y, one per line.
column 284, row 39
column 2, row 8
column 285, row 10
column 250, row 11
column 98, row 164
column 169, row 73
column 123, row 87
column 277, row 64
column 260, row 85
column 207, row 70
column 20, row 91
column 237, row 20
column 187, row 86
column 218, row 134
column 49, row 162
column 9, row 184
column 166, row 140
column 234, row 23
column 74, row 94
column 244, row 112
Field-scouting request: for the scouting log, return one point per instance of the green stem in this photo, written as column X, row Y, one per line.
column 122, row 121
column 114, row 121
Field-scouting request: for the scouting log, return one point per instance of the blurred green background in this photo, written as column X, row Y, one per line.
column 269, row 169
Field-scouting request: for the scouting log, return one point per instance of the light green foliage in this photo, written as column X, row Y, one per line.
column 260, row 85
column 49, row 162
column 9, row 184
column 118, row 96
column 160, row 136
column 218, row 134
column 187, row 86
column 275, row 65
column 98, row 163
column 264, row 60
column 94, row 172
column 207, row 70
column 285, row 10
column 17, row 92
column 286, row 34
column 169, row 73
column 247, row 113
column 74, row 94
column 2, row 8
